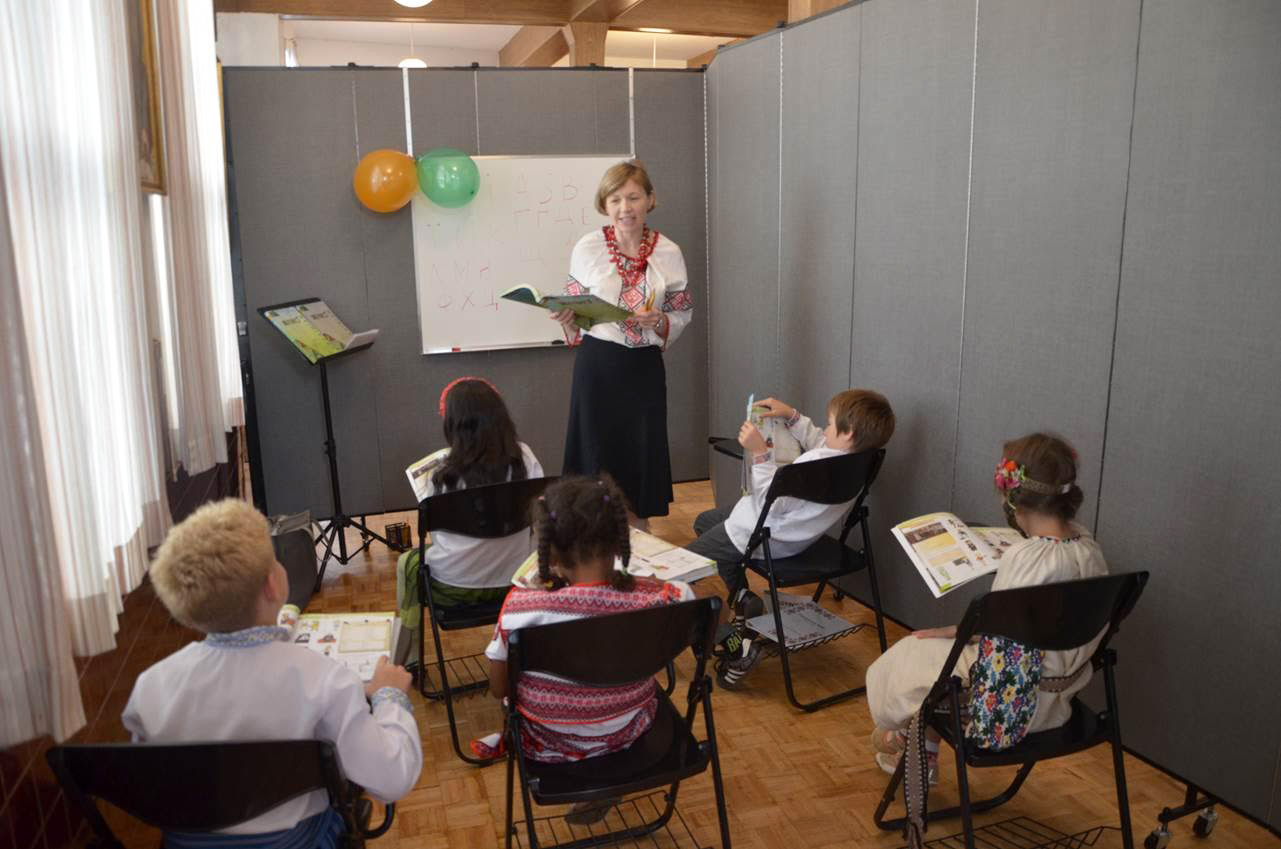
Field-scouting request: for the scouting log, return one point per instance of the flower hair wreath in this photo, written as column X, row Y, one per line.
column 1011, row 476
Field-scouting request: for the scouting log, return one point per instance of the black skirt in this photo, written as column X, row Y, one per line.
column 618, row 422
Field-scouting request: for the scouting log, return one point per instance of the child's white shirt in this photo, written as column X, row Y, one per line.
column 251, row 685
column 463, row 561
column 794, row 524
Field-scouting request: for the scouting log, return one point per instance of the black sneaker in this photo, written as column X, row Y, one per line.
column 748, row 605
column 731, row 672
column 729, row 641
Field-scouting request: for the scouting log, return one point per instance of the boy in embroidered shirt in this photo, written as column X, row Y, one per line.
column 216, row 572
column 857, row 420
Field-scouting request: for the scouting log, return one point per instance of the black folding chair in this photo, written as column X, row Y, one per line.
column 608, row 651
column 486, row 512
column 201, row 787
column 832, row 480
column 1050, row 617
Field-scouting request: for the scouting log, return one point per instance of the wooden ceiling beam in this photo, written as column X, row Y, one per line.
column 535, row 47
column 740, row 18
column 600, row 11
column 586, row 42
column 535, row 12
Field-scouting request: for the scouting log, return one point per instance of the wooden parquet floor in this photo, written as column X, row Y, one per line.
column 792, row 780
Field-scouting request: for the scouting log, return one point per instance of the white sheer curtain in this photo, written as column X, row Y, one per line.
column 201, row 348
column 67, row 153
column 39, row 692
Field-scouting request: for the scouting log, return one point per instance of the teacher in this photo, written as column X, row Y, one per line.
column 618, row 403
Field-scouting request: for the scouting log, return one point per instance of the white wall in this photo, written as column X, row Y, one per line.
column 248, row 38
column 315, row 52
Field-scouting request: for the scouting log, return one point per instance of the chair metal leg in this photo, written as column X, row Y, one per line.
column 1118, row 756
column 887, row 799
column 718, row 785
column 817, row 704
column 871, row 579
column 962, row 777
column 955, row 811
column 818, row 592
column 511, row 775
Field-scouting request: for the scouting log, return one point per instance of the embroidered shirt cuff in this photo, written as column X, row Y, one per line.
column 391, row 694
column 763, row 457
column 793, row 419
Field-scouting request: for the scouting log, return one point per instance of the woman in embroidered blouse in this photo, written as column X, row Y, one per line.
column 618, row 402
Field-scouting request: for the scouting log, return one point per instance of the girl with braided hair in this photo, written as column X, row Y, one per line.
column 582, row 537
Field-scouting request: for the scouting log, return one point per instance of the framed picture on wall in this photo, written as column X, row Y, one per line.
column 146, row 94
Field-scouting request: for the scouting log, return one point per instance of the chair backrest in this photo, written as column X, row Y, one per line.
column 195, row 786
column 1054, row 617
column 487, row 512
column 831, row 480
column 607, row 651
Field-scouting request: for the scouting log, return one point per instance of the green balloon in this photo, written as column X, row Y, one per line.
column 448, row 177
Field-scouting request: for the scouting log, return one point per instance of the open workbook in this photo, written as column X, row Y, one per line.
column 784, row 447
column 949, row 553
column 589, row 309
column 356, row 640
column 314, row 329
column 651, row 558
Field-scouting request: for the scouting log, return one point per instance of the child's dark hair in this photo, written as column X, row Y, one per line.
column 1049, row 464
column 483, row 447
column 581, row 518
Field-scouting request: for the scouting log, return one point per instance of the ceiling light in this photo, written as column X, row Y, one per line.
column 411, row 63
column 642, row 29
column 413, row 4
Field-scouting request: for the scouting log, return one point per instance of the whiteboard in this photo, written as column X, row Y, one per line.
column 518, row 230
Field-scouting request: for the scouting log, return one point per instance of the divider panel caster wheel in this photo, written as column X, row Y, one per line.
column 1158, row 839
column 1205, row 822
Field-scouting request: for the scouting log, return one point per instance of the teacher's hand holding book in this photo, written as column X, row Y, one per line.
column 566, row 319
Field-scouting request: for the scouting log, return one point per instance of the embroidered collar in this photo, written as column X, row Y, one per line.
column 247, row 638
column 1059, row 539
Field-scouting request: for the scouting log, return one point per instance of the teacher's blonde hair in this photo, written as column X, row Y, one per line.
column 617, row 176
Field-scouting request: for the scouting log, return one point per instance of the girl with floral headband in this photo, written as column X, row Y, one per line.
column 1013, row 691
column 481, row 448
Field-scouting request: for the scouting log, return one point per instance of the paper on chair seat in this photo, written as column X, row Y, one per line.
column 804, row 623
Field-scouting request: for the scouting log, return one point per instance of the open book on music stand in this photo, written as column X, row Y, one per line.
column 319, row 336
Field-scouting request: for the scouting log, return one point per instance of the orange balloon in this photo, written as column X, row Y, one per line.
column 385, row 180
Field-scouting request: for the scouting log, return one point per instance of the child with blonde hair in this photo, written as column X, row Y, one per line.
column 217, row 573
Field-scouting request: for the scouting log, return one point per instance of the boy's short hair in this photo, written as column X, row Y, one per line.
column 211, row 567
column 864, row 413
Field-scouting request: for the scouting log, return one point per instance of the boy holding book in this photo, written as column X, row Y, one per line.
column 857, row 420
column 217, row 573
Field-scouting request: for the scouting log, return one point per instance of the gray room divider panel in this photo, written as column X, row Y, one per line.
column 744, row 159
column 914, row 125
column 819, row 161
column 672, row 150
column 553, row 111
column 1191, row 470
column 293, row 141
column 302, row 233
column 1051, row 146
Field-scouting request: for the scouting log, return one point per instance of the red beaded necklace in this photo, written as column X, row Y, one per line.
column 631, row 269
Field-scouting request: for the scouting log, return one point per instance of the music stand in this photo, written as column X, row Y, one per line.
column 320, row 338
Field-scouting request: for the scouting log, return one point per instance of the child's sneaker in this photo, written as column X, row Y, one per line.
column 731, row 671
column 889, row 763
column 729, row 640
column 747, row 605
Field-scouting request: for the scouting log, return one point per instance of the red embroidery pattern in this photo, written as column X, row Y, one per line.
column 678, row 302
column 635, row 289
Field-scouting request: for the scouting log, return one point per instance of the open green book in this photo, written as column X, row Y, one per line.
column 589, row 309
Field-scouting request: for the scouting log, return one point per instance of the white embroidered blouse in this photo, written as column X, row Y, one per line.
column 656, row 278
